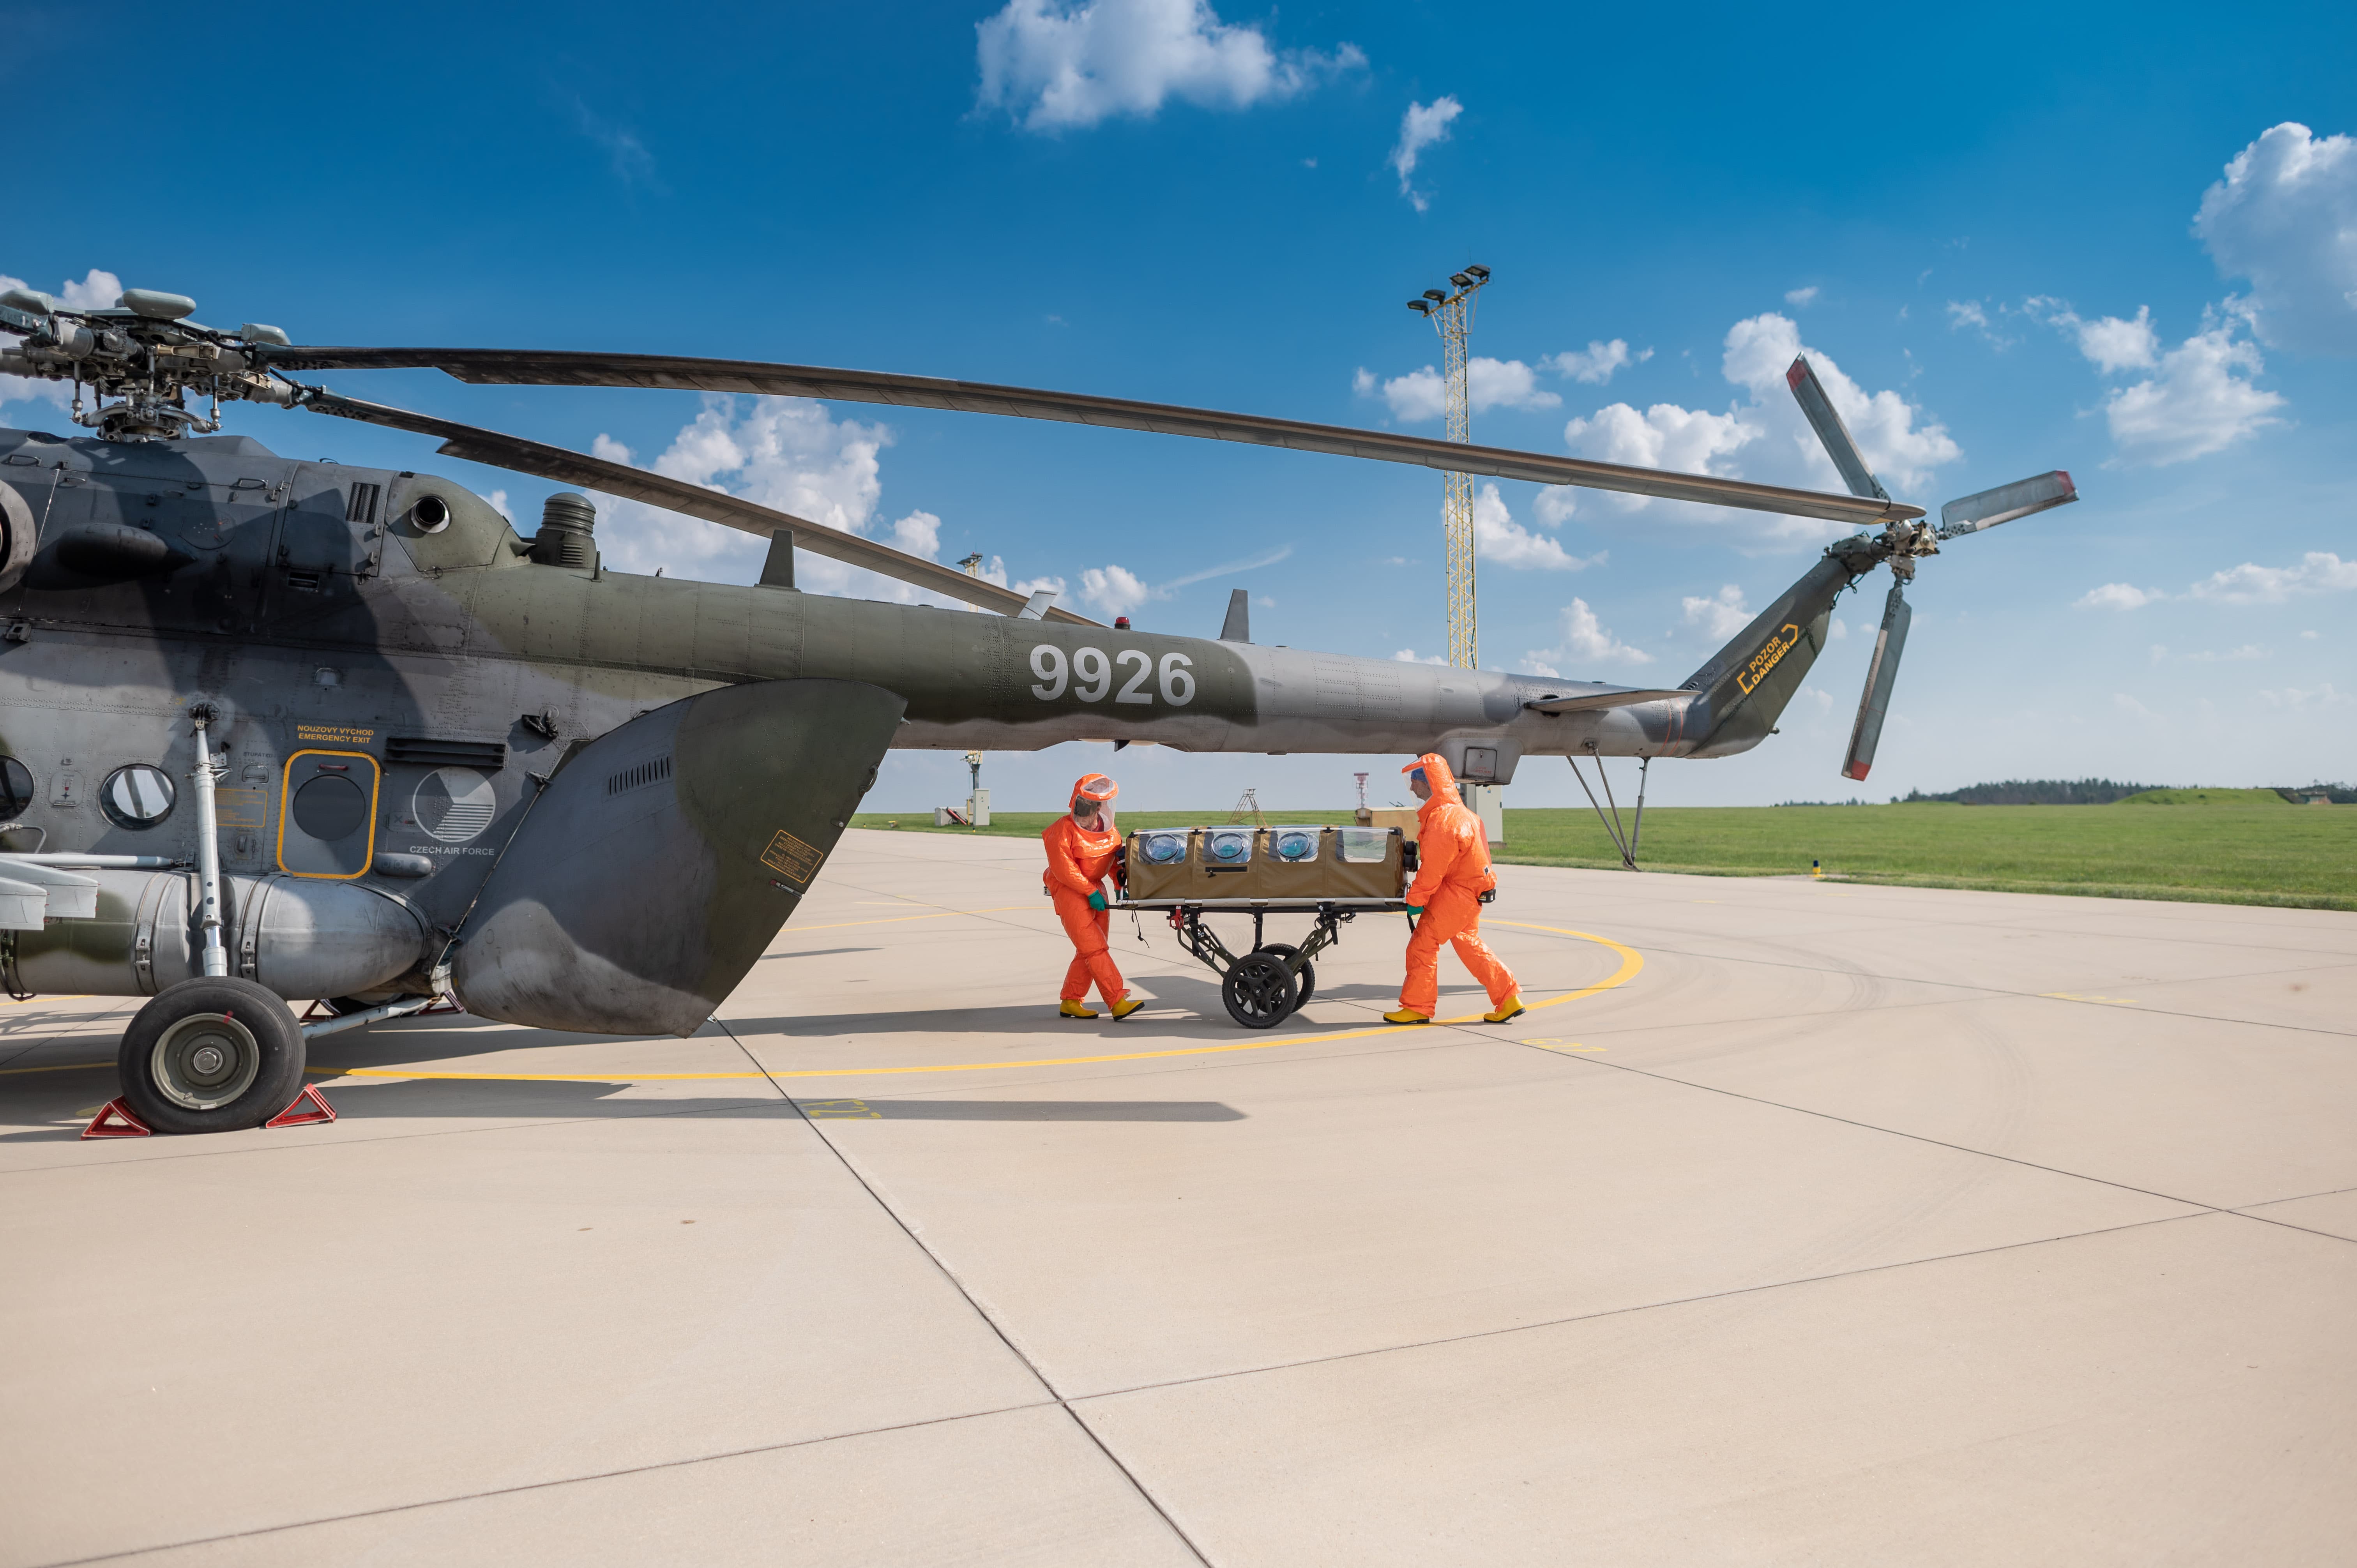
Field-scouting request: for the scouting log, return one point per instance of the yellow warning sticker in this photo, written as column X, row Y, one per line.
column 791, row 858
column 238, row 808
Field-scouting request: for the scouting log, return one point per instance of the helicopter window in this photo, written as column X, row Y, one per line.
column 15, row 789
column 137, row 796
column 330, row 807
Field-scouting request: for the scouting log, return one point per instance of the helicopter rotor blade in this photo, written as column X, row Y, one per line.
column 1970, row 514
column 531, row 368
column 1880, row 676
column 1826, row 420
column 512, row 452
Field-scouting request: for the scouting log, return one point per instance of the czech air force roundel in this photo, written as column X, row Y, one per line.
column 454, row 804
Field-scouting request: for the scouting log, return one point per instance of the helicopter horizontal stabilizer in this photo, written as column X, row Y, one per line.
column 1609, row 697
column 662, row 857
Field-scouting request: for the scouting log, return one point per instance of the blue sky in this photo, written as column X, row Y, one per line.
column 2015, row 233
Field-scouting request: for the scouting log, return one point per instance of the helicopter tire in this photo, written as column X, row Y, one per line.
column 1307, row 978
column 212, row 1055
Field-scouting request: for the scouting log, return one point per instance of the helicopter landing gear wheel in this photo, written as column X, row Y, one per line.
column 1308, row 977
column 212, row 1055
column 1259, row 991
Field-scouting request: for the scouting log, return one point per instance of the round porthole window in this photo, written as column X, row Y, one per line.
column 15, row 789
column 137, row 796
column 330, row 807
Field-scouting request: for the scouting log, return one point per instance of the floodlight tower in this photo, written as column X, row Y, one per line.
column 1450, row 311
column 977, row 800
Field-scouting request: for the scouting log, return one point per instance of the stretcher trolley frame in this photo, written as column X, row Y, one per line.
column 1263, row 986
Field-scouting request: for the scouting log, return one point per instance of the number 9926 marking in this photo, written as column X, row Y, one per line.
column 1090, row 674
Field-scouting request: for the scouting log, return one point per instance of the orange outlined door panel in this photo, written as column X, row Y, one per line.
column 326, row 814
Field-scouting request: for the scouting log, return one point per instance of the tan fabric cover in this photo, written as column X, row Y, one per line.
column 1266, row 876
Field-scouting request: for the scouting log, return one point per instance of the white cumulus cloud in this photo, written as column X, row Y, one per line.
column 1116, row 590
column 1585, row 640
column 1555, row 505
column 2322, row 695
column 2285, row 217
column 1420, row 128
column 2198, row 401
column 2118, row 596
column 790, row 453
column 2319, row 572
column 1488, row 383
column 1061, row 66
column 2198, row 398
column 1596, row 364
column 2115, row 345
column 1722, row 614
column 1801, row 298
column 1498, row 538
column 1764, row 436
column 1410, row 655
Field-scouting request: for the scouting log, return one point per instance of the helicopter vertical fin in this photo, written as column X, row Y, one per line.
column 1238, row 626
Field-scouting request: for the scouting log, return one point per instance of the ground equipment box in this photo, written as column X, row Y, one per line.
column 1292, row 864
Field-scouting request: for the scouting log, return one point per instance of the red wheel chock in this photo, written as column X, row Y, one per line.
column 304, row 1108
column 114, row 1120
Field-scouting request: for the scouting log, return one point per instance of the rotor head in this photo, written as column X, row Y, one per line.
column 140, row 359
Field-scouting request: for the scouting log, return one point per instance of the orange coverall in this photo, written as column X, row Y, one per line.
column 1078, row 860
column 1452, row 873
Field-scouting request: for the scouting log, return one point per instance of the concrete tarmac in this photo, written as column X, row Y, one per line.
column 1799, row 1224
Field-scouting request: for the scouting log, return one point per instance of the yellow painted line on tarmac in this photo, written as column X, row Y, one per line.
column 59, row 1067
column 1632, row 963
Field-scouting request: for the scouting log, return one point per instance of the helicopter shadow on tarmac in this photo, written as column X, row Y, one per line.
column 58, row 1111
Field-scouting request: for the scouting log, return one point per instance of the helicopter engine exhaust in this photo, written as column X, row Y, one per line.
column 651, row 872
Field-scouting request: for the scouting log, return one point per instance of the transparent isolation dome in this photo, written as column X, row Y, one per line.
column 1294, row 846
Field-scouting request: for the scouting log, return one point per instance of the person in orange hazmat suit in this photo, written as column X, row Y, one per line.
column 1452, row 873
column 1081, row 848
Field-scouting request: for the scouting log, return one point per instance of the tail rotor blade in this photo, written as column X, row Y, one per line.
column 1970, row 514
column 1801, row 377
column 1880, row 676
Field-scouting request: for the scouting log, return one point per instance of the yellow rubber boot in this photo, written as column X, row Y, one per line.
column 1076, row 1010
column 1511, row 1008
column 1125, row 1006
column 1406, row 1015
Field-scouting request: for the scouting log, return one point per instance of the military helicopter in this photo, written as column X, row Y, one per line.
column 429, row 758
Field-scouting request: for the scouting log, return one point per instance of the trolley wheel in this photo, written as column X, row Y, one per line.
column 212, row 1055
column 1259, row 991
column 1309, row 975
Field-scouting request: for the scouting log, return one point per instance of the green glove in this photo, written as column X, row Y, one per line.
column 1415, row 909
column 1096, row 899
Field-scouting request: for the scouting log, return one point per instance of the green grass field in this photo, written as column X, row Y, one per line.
column 2272, row 853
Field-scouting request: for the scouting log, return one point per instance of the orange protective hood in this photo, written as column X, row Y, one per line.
column 1437, row 774
column 1098, row 788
